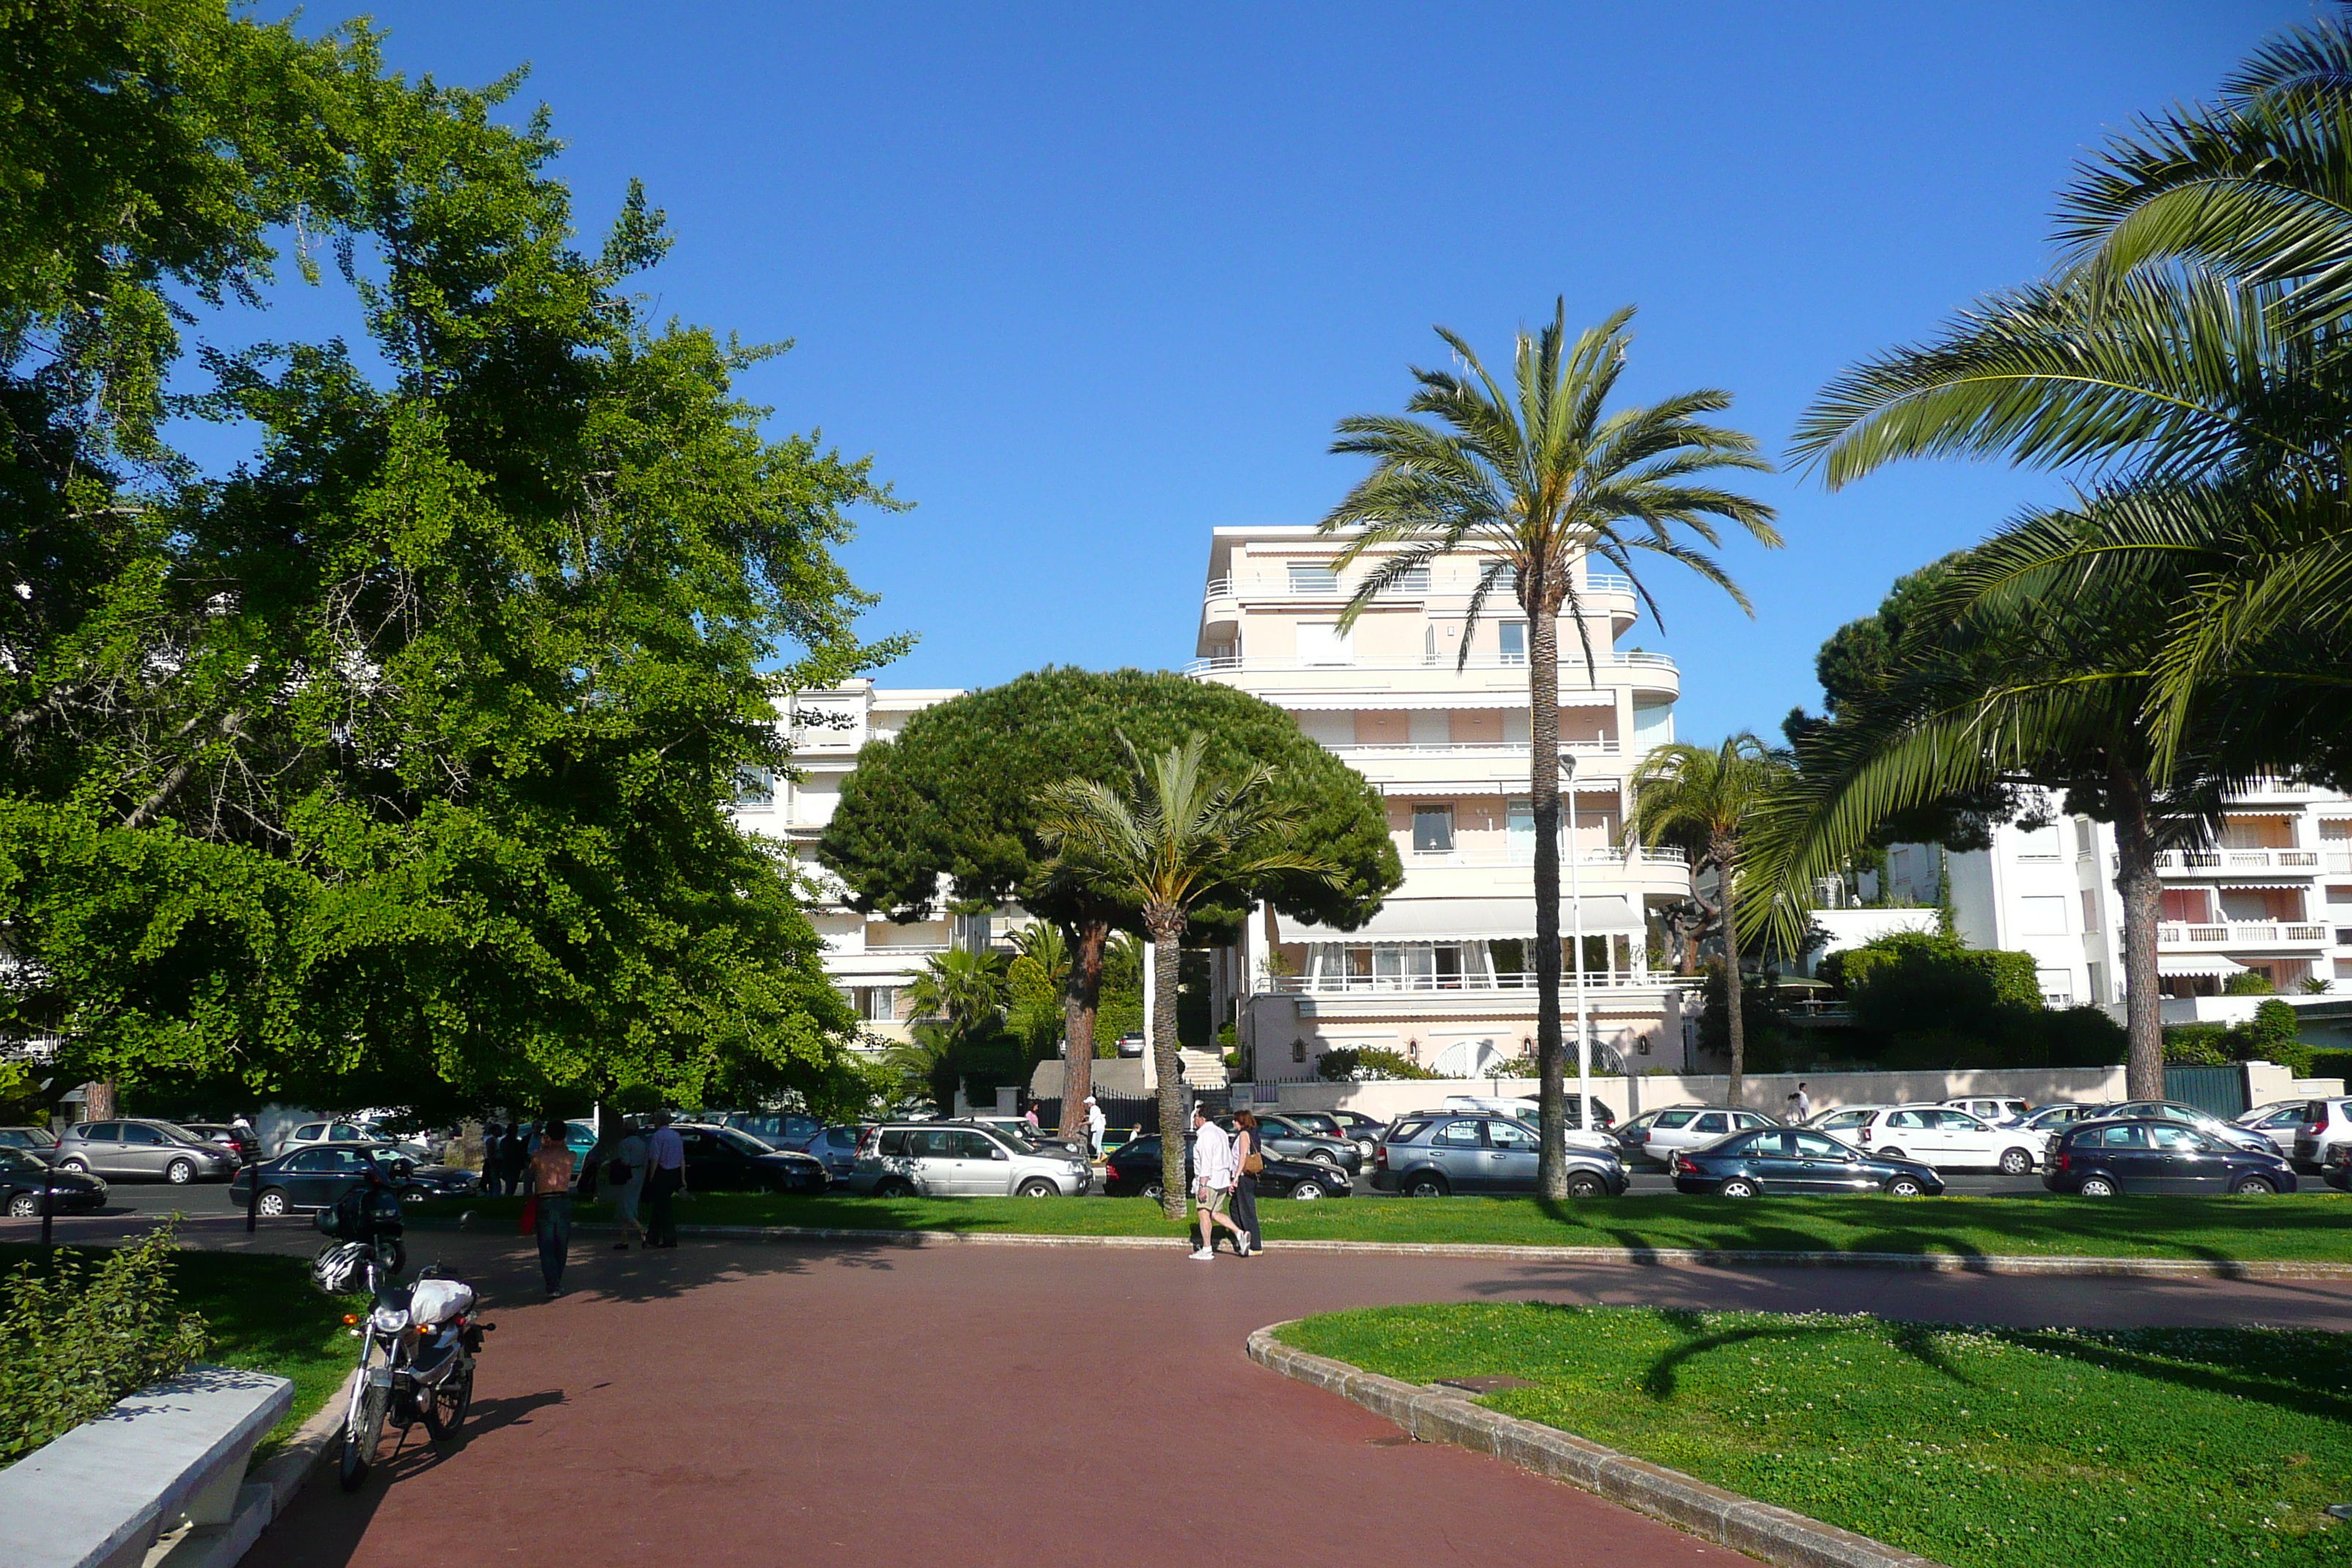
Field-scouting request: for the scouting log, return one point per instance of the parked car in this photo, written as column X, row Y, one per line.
column 1933, row 1135
column 1290, row 1139
column 1134, row 1173
column 24, row 1175
column 2145, row 1155
column 1655, row 1135
column 1012, row 1127
column 1994, row 1110
column 1326, row 1124
column 2325, row 1124
column 836, row 1149
column 2279, row 1121
column 729, row 1160
column 38, row 1140
column 1531, row 1110
column 950, row 1159
column 2337, row 1170
column 2052, row 1119
column 160, row 1150
column 776, row 1128
column 1776, row 1160
column 2205, row 1122
column 1433, row 1154
column 247, row 1145
column 315, row 1176
column 310, row 1134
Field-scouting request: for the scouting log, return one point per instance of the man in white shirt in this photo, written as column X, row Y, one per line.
column 1096, row 1124
column 1213, row 1185
column 1801, row 1106
column 665, row 1179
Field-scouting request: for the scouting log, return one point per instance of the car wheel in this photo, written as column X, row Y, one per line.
column 2255, row 1187
column 893, row 1187
column 24, row 1206
column 1738, row 1187
column 1306, row 1192
column 1152, row 1190
column 2015, row 1163
column 271, row 1203
column 180, row 1172
column 413, row 1194
column 1325, row 1157
column 75, row 1164
column 1428, row 1185
column 2096, row 1187
column 1039, row 1187
column 1903, row 1188
column 1585, row 1184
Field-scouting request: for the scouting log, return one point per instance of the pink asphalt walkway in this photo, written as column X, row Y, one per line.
column 975, row 1406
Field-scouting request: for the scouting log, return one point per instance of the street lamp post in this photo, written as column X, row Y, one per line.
column 1576, row 910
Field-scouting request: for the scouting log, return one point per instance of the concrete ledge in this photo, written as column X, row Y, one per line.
column 1446, row 1415
column 1644, row 1256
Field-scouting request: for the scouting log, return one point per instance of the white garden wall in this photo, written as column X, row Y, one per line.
column 1766, row 1091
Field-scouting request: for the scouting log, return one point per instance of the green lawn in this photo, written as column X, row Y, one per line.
column 1981, row 1447
column 264, row 1313
column 2308, row 1226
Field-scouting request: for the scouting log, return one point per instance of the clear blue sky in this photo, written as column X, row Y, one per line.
column 1088, row 281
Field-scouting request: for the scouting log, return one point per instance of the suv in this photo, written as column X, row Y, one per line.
column 958, row 1159
column 1432, row 1154
column 143, row 1148
column 1934, row 1135
column 1659, row 1134
column 1531, row 1111
column 2325, row 1124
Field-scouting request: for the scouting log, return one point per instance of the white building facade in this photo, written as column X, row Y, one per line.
column 1444, row 974
column 2273, row 895
column 870, row 960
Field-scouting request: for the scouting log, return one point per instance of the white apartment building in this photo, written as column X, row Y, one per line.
column 2271, row 895
column 1443, row 973
column 869, row 960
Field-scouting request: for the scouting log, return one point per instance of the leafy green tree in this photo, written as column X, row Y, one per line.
column 1705, row 799
column 1179, row 837
column 950, row 809
column 1537, row 478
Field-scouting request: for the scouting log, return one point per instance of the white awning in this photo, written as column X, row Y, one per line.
column 2197, row 966
column 1474, row 919
column 1421, row 701
column 2262, row 885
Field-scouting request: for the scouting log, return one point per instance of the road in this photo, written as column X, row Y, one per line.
column 738, row 1402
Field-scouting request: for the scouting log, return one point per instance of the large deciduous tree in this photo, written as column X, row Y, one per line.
column 1538, row 477
column 956, row 797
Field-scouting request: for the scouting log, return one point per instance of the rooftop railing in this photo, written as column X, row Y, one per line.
column 1254, row 663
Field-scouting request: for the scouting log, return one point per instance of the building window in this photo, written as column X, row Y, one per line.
column 2057, row 988
column 873, row 1003
column 2090, row 909
column 1316, row 582
column 1297, row 1051
column 1322, row 643
column 1514, row 641
column 1433, row 828
column 2084, row 844
column 2099, row 983
column 755, row 789
column 2038, row 843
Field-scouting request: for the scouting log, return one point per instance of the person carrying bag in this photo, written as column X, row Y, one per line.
column 1252, row 1161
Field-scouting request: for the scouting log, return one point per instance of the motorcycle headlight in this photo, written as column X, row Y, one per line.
column 389, row 1320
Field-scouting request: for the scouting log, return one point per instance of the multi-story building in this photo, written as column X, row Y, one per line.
column 2273, row 895
column 1444, row 973
column 869, row 960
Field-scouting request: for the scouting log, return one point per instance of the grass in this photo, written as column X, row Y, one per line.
column 1980, row 1447
column 263, row 1313
column 2304, row 1227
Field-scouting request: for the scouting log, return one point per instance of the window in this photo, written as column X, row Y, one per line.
column 1509, row 1135
column 1322, row 643
column 2098, row 982
column 2038, row 843
column 1847, row 1119
column 2042, row 915
column 1299, row 1050
column 1675, row 1117
column 2126, row 1136
column 2179, row 1140
column 1746, row 1118
column 1513, row 635
column 2085, row 843
column 1433, row 828
column 310, row 1134
column 1519, row 832
column 1457, row 1136
column 1713, row 1121
column 1653, row 725
column 310, row 1160
column 755, row 788
column 1415, row 580
column 2057, row 988
column 1406, row 1131
column 1910, row 1120
column 1319, row 581
column 893, row 1142
column 134, row 1134
column 1814, row 1146
column 345, row 1133
column 975, row 1146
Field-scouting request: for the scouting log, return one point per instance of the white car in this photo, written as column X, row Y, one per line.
column 2001, row 1111
column 2277, row 1122
column 1663, row 1132
column 1934, row 1135
column 312, row 1133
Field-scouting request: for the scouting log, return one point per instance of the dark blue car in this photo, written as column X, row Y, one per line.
column 2101, row 1159
column 1796, row 1161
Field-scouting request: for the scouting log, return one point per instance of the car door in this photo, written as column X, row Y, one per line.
column 932, row 1161
column 1512, row 1150
column 2123, row 1151
column 1826, row 1165
column 1458, row 1150
column 1966, row 1140
column 1704, row 1128
column 143, row 1150
column 1770, row 1159
column 1907, row 1131
column 2187, row 1162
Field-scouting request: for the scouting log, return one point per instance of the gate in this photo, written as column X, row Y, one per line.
column 2220, row 1090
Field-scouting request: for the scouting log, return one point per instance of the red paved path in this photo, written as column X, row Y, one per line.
column 772, row 1404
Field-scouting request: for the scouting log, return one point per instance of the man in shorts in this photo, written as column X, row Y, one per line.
column 1213, row 1185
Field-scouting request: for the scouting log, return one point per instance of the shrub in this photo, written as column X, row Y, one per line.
column 1909, row 976
column 2252, row 983
column 74, row 1342
column 1366, row 1064
column 2330, row 1063
column 2197, row 1046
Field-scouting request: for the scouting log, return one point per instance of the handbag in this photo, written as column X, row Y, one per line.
column 616, row 1172
column 529, row 1216
column 1253, row 1162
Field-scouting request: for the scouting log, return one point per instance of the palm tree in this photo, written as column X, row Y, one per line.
column 1705, row 799
column 962, row 989
column 1178, row 838
column 1535, row 479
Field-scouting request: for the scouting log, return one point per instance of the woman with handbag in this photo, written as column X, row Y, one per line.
column 625, row 1178
column 1248, row 1160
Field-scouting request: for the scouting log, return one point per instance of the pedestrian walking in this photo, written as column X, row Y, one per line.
column 493, row 1161
column 1800, row 1105
column 625, row 1177
column 1030, row 1116
column 1097, row 1122
column 1249, row 1158
column 551, row 1189
column 1213, row 1185
column 665, row 1179
column 514, row 1155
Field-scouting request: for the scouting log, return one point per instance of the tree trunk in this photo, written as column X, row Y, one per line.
column 2143, row 900
column 1167, row 927
column 1078, row 1052
column 1726, row 858
column 1543, row 762
column 98, row 1104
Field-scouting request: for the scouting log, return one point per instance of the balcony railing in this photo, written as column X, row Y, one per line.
column 1254, row 663
column 1606, row 582
column 1664, row 855
column 2241, row 933
column 1454, row 984
column 1508, row 751
column 1281, row 588
column 1218, row 588
column 2213, row 860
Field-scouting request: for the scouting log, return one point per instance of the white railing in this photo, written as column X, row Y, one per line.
column 1607, row 582
column 1510, row 750
column 2239, row 933
column 1218, row 588
column 2195, row 861
column 2339, row 860
column 1570, row 659
column 1436, row 985
column 1419, row 582
column 1625, row 859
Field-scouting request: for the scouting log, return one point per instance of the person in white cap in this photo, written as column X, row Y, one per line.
column 1096, row 1122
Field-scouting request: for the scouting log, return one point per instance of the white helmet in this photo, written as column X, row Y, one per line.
column 338, row 1269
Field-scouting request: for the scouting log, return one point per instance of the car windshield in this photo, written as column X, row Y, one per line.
column 742, row 1142
column 174, row 1130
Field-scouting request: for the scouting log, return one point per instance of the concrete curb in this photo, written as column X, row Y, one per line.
column 1655, row 1257
column 1440, row 1416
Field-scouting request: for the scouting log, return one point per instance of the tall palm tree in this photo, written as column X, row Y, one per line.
column 1178, row 838
column 1535, row 478
column 1705, row 799
column 962, row 989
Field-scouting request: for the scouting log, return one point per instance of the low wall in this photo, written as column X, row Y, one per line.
column 1765, row 1091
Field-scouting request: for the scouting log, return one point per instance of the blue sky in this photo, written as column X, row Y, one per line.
column 1090, row 280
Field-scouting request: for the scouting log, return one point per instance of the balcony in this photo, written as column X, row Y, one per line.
column 2222, row 862
column 1520, row 986
column 2241, row 933
column 1612, row 859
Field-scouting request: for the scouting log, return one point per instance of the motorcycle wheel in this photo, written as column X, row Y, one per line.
column 446, row 1411
column 362, row 1434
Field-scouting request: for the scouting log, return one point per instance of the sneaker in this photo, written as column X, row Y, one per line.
column 1204, row 1256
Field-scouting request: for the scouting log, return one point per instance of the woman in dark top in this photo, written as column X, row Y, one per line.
column 1245, row 1151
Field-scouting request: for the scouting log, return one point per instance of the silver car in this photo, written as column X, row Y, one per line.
column 2279, row 1121
column 160, row 1150
column 958, row 1160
